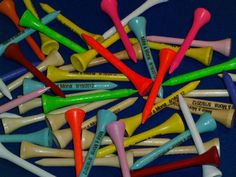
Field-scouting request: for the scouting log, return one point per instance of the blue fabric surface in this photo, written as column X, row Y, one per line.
column 169, row 19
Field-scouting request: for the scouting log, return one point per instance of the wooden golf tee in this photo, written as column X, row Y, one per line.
column 232, row 75
column 142, row 84
column 7, row 7
column 4, row 90
column 208, row 93
column 29, row 150
column 13, row 52
column 111, row 8
column 104, row 117
column 70, row 162
column 110, row 161
column 75, row 118
column 201, row 17
column 213, row 105
column 64, row 136
column 9, row 115
column 116, row 130
column 12, row 124
column 208, row 170
column 166, row 58
column 223, row 113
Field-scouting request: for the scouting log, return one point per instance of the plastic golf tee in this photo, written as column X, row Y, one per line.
column 201, row 17
column 75, row 119
column 104, row 117
column 111, row 8
column 116, row 130
column 142, row 84
column 166, row 58
column 13, row 52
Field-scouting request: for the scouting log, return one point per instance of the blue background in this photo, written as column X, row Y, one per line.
column 169, row 19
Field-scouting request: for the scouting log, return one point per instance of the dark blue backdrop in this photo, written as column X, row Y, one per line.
column 169, row 19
